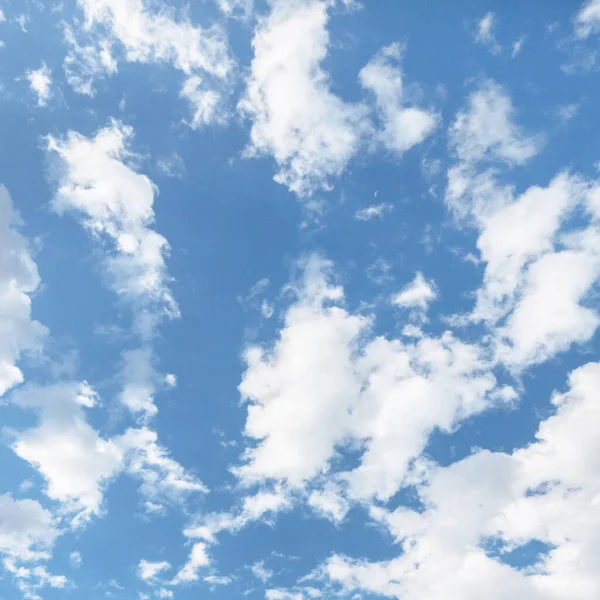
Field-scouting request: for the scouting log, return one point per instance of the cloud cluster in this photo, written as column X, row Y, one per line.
column 138, row 31
column 536, row 279
column 544, row 493
column 311, row 133
column 327, row 384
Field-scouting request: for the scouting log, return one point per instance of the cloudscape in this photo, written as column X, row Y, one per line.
column 299, row 300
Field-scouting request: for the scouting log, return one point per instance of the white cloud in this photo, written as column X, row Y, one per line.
column 139, row 378
column 206, row 103
column 283, row 594
column 22, row 21
column 153, row 508
column 568, row 112
column 404, row 124
column 261, row 572
column 311, row 133
column 550, row 315
column 85, row 63
column 40, row 81
column 74, row 460
column 534, row 219
column 197, row 560
column 27, row 530
column 587, row 21
column 148, row 33
column 115, row 203
column 236, row 7
column 163, row 479
column 260, row 506
column 546, row 492
column 486, row 129
column 19, row 278
column 329, row 503
column 327, row 382
column 171, row 380
column 149, row 570
column 217, row 580
column 440, row 381
column 482, row 137
column 485, row 33
column 149, row 36
column 171, row 166
column 517, row 47
column 75, row 559
column 539, row 277
column 304, row 387
column 77, row 462
column 375, row 211
column 254, row 507
column 417, row 294
column 30, row 580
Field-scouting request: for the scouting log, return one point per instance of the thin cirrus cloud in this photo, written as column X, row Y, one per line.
column 485, row 35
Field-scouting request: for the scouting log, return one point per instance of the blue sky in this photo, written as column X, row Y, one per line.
column 299, row 300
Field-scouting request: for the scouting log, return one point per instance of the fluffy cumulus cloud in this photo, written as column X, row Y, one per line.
column 587, row 20
column 483, row 134
column 537, row 279
column 77, row 463
column 417, row 294
column 404, row 124
column 27, row 530
column 197, row 560
column 311, row 360
column 311, row 133
column 327, row 380
column 19, row 278
column 543, row 493
column 149, row 570
column 27, row 534
column 71, row 456
column 40, row 82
